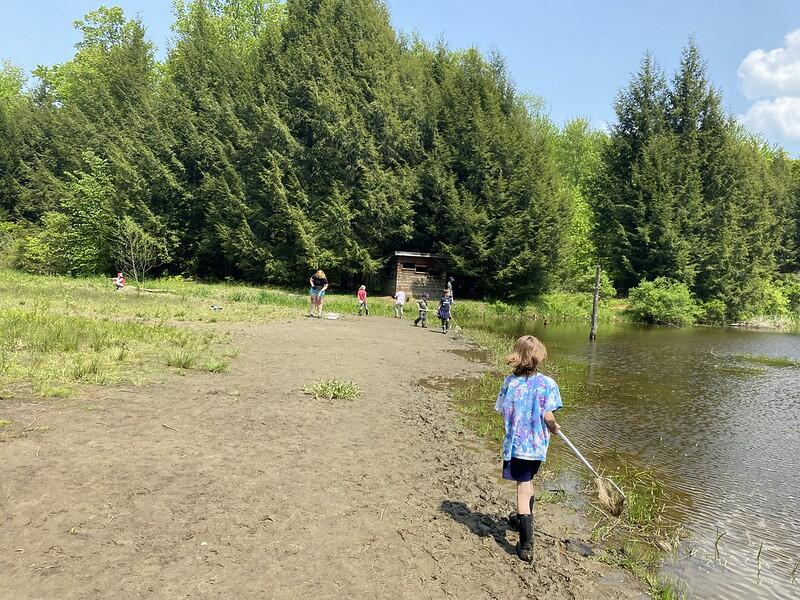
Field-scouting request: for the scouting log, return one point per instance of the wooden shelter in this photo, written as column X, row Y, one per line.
column 416, row 273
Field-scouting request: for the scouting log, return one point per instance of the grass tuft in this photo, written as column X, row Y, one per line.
column 333, row 389
column 215, row 365
column 182, row 359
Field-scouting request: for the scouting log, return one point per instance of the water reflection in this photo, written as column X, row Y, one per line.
column 724, row 433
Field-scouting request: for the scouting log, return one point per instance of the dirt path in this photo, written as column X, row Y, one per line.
column 239, row 486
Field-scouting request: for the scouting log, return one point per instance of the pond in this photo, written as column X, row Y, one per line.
column 716, row 418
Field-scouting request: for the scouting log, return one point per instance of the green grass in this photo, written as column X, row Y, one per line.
column 178, row 300
column 551, row 497
column 644, row 519
column 182, row 359
column 768, row 361
column 52, row 352
column 216, row 365
column 58, row 334
column 4, row 422
column 333, row 389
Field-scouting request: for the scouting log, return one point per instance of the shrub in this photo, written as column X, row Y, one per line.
column 789, row 284
column 771, row 300
column 47, row 251
column 713, row 312
column 663, row 301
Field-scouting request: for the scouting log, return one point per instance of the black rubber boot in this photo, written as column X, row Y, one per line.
column 513, row 521
column 525, row 544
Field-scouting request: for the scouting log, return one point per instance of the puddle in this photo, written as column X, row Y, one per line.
column 477, row 355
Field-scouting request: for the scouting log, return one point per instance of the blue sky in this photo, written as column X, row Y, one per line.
column 575, row 54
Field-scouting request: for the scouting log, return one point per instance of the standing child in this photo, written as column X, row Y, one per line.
column 399, row 304
column 422, row 304
column 444, row 310
column 526, row 402
column 362, row 301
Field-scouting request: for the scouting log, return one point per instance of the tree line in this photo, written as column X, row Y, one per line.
column 276, row 138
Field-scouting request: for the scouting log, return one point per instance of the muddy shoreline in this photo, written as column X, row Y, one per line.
column 240, row 486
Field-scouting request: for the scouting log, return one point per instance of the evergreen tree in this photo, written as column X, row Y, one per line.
column 280, row 137
column 628, row 186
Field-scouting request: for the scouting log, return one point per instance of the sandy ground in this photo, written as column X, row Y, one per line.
column 240, row 486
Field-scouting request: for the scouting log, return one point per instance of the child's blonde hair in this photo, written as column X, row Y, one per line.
column 527, row 355
column 320, row 274
column 363, row 287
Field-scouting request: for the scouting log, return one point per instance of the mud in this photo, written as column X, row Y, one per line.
column 239, row 486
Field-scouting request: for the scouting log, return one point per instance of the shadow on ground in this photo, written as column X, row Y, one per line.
column 480, row 524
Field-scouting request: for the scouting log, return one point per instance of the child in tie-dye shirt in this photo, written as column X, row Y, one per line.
column 526, row 401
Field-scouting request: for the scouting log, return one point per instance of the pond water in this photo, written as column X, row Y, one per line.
column 718, row 423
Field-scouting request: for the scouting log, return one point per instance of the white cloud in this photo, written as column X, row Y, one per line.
column 777, row 118
column 776, row 72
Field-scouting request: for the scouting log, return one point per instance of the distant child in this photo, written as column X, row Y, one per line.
column 362, row 301
column 119, row 281
column 526, row 402
column 422, row 304
column 445, row 302
column 399, row 304
column 319, row 284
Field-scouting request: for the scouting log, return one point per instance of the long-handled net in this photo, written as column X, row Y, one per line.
column 608, row 492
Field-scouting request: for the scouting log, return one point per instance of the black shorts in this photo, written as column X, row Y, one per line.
column 519, row 469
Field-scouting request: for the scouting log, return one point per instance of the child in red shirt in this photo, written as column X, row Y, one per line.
column 362, row 301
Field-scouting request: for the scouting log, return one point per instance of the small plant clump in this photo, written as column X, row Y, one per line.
column 215, row 365
column 182, row 359
column 333, row 389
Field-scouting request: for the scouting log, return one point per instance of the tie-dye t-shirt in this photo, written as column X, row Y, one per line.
column 522, row 402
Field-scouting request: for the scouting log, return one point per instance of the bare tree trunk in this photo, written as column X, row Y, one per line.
column 595, row 302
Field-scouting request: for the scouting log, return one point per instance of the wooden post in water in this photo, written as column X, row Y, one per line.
column 595, row 301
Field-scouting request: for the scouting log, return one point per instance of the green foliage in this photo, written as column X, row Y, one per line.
column 683, row 193
column 772, row 300
column 276, row 138
column 663, row 301
column 12, row 80
column 47, row 252
column 789, row 286
column 76, row 241
column 579, row 153
column 713, row 312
